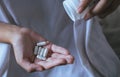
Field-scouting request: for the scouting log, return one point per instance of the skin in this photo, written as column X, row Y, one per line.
column 101, row 9
column 23, row 41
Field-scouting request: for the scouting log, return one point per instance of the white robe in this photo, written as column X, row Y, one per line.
column 86, row 42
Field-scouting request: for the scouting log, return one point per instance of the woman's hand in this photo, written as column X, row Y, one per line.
column 24, row 42
column 102, row 8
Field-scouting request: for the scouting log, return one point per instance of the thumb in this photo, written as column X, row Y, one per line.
column 114, row 5
column 37, row 36
column 100, row 6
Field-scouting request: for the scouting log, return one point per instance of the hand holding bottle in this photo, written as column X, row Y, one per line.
column 102, row 8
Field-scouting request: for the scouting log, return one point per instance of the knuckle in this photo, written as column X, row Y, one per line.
column 25, row 31
column 54, row 55
column 46, row 67
column 67, row 52
column 29, row 69
column 20, row 62
column 41, row 70
column 63, row 61
column 70, row 58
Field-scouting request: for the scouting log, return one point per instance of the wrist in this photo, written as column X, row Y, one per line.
column 8, row 32
column 19, row 33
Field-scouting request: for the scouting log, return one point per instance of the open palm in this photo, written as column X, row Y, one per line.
column 23, row 46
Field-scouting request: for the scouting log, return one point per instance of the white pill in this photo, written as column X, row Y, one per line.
column 42, row 43
column 36, row 50
column 39, row 57
column 39, row 50
column 45, row 52
column 42, row 51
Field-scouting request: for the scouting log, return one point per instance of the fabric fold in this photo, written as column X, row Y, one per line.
column 4, row 58
column 96, row 55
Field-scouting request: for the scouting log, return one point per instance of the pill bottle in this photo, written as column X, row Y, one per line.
column 71, row 7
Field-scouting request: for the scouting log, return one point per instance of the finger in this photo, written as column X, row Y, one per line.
column 101, row 6
column 59, row 49
column 68, row 58
column 30, row 67
column 114, row 5
column 83, row 5
column 89, row 15
column 51, row 62
column 97, row 9
column 37, row 36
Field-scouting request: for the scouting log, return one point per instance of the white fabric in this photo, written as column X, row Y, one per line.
column 85, row 40
column 111, row 29
column 95, row 53
column 4, row 58
column 91, row 44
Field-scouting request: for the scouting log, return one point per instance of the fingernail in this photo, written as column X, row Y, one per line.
column 39, row 69
column 87, row 16
column 70, row 59
column 79, row 10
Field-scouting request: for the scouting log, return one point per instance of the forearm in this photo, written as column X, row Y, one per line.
column 7, row 32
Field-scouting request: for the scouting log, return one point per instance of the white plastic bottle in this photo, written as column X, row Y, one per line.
column 71, row 7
